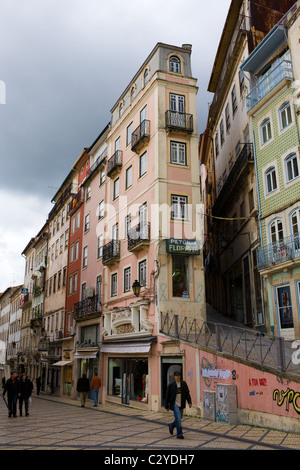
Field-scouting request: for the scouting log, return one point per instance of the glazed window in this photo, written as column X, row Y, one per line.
column 143, row 164
column 129, row 133
column 114, row 285
column 180, row 281
column 85, row 256
column 233, row 100
column 127, row 279
column 143, row 273
column 128, row 182
column 271, row 180
column 179, row 207
column 265, row 131
column 222, row 131
column 146, row 76
column 291, row 166
column 100, row 246
column 175, row 65
column 285, row 115
column 116, row 188
column 276, row 229
column 178, row 153
column 101, row 210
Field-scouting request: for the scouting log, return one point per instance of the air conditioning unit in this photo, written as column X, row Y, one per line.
column 90, row 292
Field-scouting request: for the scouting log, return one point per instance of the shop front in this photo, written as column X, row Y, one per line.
column 128, row 370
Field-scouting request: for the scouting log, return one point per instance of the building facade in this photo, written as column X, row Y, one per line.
column 233, row 235
column 273, row 110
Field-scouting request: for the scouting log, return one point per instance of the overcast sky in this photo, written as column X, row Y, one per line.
column 63, row 65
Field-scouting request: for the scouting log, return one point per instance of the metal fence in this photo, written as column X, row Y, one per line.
column 251, row 345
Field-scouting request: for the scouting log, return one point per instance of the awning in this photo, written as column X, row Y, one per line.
column 127, row 347
column 61, row 363
column 266, row 48
column 85, row 355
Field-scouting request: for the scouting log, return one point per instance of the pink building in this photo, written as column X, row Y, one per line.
column 142, row 227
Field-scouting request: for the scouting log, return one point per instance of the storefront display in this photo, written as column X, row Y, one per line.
column 128, row 379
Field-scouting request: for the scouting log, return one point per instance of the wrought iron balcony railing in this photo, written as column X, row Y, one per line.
column 140, row 136
column 225, row 188
column 138, row 236
column 269, row 82
column 179, row 121
column 114, row 163
column 76, row 202
column 285, row 250
column 111, row 252
column 91, row 306
column 97, row 163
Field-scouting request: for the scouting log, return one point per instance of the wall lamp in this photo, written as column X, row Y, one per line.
column 136, row 287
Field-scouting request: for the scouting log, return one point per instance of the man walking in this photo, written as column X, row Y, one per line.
column 25, row 390
column 83, row 388
column 96, row 384
column 12, row 388
column 176, row 397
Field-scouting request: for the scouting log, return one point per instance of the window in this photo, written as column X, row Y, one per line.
column 85, row 255
column 143, row 273
column 127, row 279
column 178, row 153
column 296, row 222
column 285, row 115
column 291, row 166
column 175, row 65
column 265, row 131
column 114, row 285
column 234, row 100
column 241, row 82
column 59, row 280
column 102, row 175
column 69, row 286
column 120, row 109
column 143, row 164
column 132, row 93
column 87, row 222
column 222, row 131
column 71, row 253
column 66, row 239
column 88, row 193
column 217, row 148
column 227, row 116
column 180, row 278
column 177, row 103
column 271, row 181
column 179, row 207
column 73, row 225
column 100, row 246
column 101, row 210
column 128, row 182
column 77, row 249
column 276, row 229
column 127, row 224
column 75, row 282
column 116, row 188
column 129, row 133
column 77, row 220
column 146, row 76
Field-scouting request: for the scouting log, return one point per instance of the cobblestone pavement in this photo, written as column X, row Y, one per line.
column 61, row 424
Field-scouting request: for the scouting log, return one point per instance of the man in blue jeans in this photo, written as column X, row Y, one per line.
column 176, row 397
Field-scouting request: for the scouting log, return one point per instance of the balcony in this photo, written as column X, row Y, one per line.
column 97, row 163
column 282, row 72
column 179, row 122
column 114, row 164
column 87, row 308
column 283, row 251
column 237, row 171
column 111, row 252
column 140, row 136
column 139, row 236
column 76, row 202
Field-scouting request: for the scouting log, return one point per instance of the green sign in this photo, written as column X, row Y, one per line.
column 184, row 247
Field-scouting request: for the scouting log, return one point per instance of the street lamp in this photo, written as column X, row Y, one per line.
column 136, row 287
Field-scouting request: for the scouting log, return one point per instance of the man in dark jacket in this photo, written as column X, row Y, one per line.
column 12, row 388
column 176, row 397
column 25, row 390
column 83, row 387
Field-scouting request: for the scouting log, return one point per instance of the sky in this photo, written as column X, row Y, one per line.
column 63, row 65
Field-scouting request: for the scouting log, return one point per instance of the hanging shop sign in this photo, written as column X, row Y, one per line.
column 185, row 247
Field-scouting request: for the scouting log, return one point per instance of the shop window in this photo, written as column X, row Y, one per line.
column 180, row 277
column 128, row 379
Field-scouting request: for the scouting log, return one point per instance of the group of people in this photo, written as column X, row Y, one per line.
column 84, row 386
column 17, row 388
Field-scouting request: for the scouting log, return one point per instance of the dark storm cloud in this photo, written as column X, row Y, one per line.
column 65, row 63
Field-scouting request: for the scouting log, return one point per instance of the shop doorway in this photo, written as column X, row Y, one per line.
column 168, row 366
column 285, row 311
column 128, row 379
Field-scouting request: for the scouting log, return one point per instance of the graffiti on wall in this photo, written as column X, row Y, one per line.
column 288, row 397
column 210, row 372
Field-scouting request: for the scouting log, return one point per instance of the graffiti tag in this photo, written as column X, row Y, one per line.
column 289, row 396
